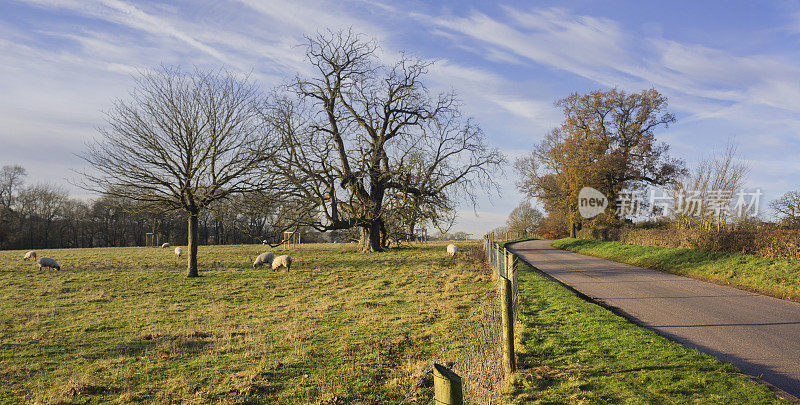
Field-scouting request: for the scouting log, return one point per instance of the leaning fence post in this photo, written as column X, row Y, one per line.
column 506, row 307
column 446, row 386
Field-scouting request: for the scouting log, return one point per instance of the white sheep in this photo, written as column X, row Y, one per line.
column 48, row 262
column 283, row 260
column 178, row 251
column 451, row 250
column 165, row 245
column 264, row 258
column 30, row 255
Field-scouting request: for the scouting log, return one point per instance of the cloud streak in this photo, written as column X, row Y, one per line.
column 599, row 50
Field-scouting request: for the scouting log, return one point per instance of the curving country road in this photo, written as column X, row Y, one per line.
column 758, row 334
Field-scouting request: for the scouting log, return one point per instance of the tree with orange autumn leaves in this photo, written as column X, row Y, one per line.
column 606, row 141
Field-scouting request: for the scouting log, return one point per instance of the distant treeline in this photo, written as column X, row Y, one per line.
column 45, row 216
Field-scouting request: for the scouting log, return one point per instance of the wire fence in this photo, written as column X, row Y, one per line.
column 499, row 257
column 475, row 351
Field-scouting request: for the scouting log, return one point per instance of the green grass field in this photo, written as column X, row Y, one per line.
column 573, row 352
column 122, row 325
column 776, row 277
column 126, row 325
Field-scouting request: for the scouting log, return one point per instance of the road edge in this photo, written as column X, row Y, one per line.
column 632, row 319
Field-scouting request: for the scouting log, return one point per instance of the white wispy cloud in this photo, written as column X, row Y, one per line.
column 312, row 16
column 549, row 37
column 599, row 50
column 127, row 14
column 481, row 88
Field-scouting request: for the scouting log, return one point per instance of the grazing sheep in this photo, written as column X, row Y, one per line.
column 451, row 250
column 264, row 258
column 264, row 242
column 178, row 251
column 48, row 262
column 30, row 255
column 284, row 261
column 164, row 246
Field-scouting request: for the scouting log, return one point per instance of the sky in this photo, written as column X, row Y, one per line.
column 730, row 69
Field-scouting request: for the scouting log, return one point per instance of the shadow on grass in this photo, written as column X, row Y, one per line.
column 164, row 343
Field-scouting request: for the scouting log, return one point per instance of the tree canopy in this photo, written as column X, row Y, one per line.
column 787, row 208
column 181, row 142
column 606, row 141
column 363, row 141
column 524, row 219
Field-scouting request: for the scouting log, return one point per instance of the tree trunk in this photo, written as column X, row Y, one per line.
column 371, row 238
column 192, row 246
column 384, row 237
column 375, row 238
column 363, row 238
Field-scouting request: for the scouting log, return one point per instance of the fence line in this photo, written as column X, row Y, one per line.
column 475, row 353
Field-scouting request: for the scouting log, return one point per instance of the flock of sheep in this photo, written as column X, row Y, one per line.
column 43, row 261
column 178, row 250
column 265, row 258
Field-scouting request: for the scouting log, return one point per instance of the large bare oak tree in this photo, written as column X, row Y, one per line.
column 182, row 141
column 361, row 137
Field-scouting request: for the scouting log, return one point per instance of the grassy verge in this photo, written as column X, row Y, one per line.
column 572, row 351
column 776, row 277
column 125, row 325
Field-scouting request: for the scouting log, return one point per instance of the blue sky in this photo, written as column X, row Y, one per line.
column 731, row 69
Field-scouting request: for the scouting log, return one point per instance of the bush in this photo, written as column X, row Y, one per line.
column 772, row 243
column 607, row 234
column 553, row 227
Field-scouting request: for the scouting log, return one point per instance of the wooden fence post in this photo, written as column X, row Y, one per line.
column 446, row 386
column 494, row 259
column 502, row 265
column 510, row 266
column 491, row 255
column 501, row 260
column 506, row 308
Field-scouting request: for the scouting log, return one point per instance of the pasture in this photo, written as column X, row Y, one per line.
column 126, row 325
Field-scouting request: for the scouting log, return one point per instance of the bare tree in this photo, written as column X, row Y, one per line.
column 359, row 131
column 182, row 141
column 405, row 215
column 524, row 219
column 703, row 196
column 11, row 179
column 40, row 205
column 787, row 208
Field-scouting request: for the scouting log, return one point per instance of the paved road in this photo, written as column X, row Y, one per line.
column 758, row 334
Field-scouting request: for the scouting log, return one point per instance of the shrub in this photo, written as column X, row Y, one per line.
column 772, row 243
